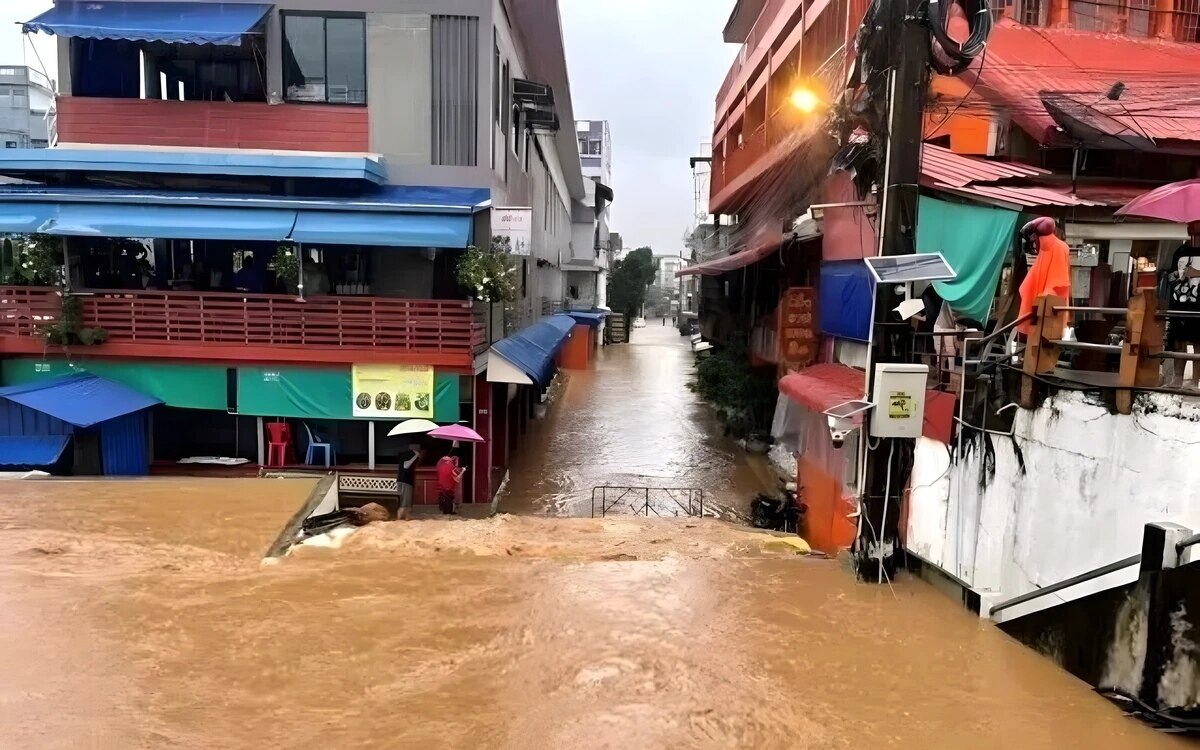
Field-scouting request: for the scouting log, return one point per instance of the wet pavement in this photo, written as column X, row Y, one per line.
column 140, row 615
column 632, row 421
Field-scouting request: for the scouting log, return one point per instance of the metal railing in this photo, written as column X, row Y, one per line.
column 643, row 501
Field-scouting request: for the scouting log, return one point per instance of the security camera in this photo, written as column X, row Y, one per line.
column 839, row 429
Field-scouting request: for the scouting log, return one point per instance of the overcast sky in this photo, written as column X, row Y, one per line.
column 650, row 68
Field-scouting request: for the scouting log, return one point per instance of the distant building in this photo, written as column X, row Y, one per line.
column 595, row 149
column 25, row 97
column 668, row 265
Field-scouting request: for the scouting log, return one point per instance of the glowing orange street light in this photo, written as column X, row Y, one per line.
column 805, row 99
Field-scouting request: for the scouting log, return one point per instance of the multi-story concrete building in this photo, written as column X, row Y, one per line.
column 587, row 274
column 265, row 208
column 26, row 98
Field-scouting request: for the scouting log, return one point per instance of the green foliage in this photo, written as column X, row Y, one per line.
column 36, row 260
column 69, row 330
column 744, row 395
column 630, row 278
column 287, row 265
column 489, row 275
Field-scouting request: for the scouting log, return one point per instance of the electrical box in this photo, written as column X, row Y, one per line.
column 899, row 398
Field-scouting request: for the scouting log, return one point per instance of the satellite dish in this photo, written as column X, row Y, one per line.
column 1091, row 128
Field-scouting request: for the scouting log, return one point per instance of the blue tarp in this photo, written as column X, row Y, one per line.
column 845, row 300
column 182, row 23
column 533, row 350
column 79, row 400
column 36, row 451
column 382, row 229
column 592, row 319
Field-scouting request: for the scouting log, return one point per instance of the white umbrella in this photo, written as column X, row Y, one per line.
column 413, row 427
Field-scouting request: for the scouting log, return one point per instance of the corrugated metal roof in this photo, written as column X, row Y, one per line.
column 1017, row 195
column 1162, row 97
column 946, row 167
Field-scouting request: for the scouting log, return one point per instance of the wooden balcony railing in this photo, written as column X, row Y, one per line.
column 216, row 325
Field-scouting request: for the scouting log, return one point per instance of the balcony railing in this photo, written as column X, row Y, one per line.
column 221, row 325
column 212, row 124
column 757, row 36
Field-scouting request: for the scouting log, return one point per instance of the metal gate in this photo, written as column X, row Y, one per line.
column 644, row 501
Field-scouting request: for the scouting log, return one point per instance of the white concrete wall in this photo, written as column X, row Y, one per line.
column 1092, row 480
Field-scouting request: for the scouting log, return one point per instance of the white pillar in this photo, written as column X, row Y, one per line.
column 371, row 445
column 262, row 457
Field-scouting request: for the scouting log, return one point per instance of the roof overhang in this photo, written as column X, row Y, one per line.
column 204, row 162
column 173, row 23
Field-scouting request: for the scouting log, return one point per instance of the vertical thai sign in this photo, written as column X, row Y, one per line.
column 515, row 225
column 797, row 328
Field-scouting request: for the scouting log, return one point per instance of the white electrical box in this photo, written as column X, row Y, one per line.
column 899, row 398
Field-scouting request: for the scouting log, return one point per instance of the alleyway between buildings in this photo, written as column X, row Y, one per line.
column 631, row 421
column 140, row 614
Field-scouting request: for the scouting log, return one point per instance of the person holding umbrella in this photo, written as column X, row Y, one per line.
column 406, row 477
column 449, row 470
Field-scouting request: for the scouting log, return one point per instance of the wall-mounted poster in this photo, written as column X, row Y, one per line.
column 393, row 391
column 515, row 224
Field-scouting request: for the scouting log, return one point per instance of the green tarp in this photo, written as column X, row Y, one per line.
column 975, row 241
column 322, row 393
column 179, row 385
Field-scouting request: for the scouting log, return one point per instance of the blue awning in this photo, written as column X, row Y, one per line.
column 593, row 319
column 35, row 451
column 533, row 350
column 385, row 229
column 24, row 218
column 182, row 23
column 168, row 222
column 80, row 400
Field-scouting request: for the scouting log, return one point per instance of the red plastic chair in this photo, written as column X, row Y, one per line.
column 279, row 443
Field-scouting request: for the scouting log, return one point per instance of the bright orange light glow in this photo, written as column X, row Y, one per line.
column 805, row 100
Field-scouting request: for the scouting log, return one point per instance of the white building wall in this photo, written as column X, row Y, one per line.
column 1091, row 481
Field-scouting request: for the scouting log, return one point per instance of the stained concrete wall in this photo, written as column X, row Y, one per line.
column 1091, row 481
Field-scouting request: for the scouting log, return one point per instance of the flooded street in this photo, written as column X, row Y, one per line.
column 141, row 615
column 631, row 421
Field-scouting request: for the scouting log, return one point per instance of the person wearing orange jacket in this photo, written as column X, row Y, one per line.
column 1050, row 273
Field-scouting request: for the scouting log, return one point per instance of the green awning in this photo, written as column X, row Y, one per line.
column 185, row 386
column 975, row 241
column 322, row 393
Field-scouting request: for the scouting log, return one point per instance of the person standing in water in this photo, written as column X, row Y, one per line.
column 449, row 477
column 406, row 478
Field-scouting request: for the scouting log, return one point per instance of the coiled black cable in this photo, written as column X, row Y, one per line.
column 951, row 57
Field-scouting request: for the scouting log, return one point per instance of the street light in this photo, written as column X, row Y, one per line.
column 805, row 99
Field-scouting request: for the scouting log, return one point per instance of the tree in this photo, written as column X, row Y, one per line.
column 630, row 278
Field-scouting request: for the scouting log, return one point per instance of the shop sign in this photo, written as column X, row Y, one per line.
column 797, row 328
column 393, row 391
column 515, row 224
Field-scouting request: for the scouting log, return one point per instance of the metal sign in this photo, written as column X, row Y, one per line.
column 515, row 225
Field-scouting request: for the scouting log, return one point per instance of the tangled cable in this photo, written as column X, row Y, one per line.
column 951, row 57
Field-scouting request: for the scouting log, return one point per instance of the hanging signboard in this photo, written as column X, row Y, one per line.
column 393, row 391
column 797, row 328
column 516, row 225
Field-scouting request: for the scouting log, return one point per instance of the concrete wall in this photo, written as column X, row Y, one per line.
column 1091, row 481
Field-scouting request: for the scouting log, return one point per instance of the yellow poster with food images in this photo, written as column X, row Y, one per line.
column 393, row 391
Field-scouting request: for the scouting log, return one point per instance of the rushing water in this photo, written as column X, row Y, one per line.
column 141, row 615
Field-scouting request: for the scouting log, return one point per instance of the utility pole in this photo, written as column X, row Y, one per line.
column 907, row 86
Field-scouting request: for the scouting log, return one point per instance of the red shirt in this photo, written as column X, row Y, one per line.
column 447, row 467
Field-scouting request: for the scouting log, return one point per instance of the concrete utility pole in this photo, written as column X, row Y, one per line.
column 907, row 85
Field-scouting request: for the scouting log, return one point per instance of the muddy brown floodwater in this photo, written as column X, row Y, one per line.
column 631, row 421
column 140, row 614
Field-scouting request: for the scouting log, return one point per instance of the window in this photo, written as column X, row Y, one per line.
column 455, row 71
column 10, row 144
column 39, row 143
column 497, row 93
column 325, row 58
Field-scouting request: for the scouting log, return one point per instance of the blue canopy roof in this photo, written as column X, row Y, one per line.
column 395, row 216
column 39, row 450
column 584, row 317
column 184, row 23
column 81, row 400
column 533, row 350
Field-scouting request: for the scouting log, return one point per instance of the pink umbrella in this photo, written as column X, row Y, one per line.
column 1178, row 202
column 457, row 432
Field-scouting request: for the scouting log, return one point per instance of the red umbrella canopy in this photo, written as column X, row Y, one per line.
column 1178, row 202
column 457, row 432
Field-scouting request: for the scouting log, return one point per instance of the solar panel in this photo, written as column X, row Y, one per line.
column 901, row 269
column 849, row 409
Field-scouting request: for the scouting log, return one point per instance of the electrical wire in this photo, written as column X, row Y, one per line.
column 960, row 54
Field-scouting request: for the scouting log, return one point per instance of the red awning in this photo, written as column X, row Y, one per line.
column 733, row 262
column 822, row 387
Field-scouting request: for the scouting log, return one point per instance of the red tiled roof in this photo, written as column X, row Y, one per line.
column 1162, row 98
column 948, row 168
column 822, row 387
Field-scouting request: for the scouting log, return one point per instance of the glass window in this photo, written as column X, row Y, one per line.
column 325, row 59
